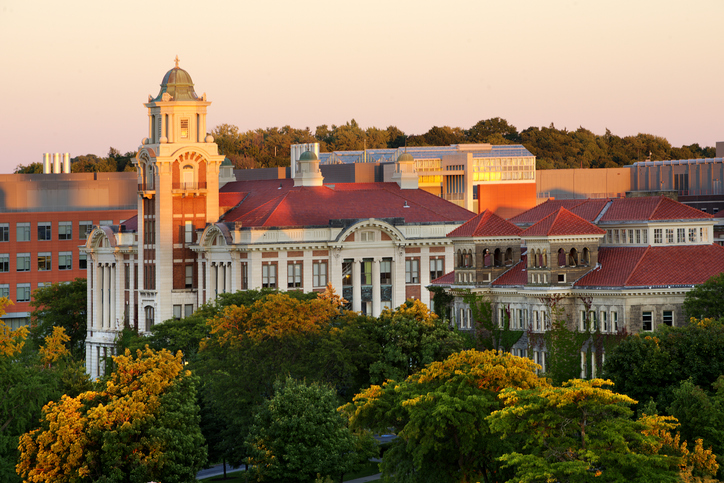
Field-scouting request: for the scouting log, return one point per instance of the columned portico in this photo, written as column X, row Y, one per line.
column 376, row 295
column 356, row 286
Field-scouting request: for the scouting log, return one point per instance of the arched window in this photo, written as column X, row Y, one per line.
column 468, row 258
column 149, row 317
column 586, row 257
column 460, row 258
column 561, row 257
column 498, row 258
column 544, row 263
column 573, row 258
column 486, row 258
column 509, row 256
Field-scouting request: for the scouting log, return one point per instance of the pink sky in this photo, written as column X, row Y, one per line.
column 75, row 74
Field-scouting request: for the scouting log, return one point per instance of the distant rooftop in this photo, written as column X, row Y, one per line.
column 425, row 152
column 675, row 162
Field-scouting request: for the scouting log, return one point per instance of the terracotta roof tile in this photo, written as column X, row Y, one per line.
column 447, row 279
column 562, row 222
column 544, row 209
column 131, row 224
column 516, row 275
column 654, row 266
column 279, row 203
column 486, row 223
column 650, row 208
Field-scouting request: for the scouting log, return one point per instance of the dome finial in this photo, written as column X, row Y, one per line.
column 176, row 60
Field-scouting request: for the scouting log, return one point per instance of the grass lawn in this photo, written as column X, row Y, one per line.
column 371, row 468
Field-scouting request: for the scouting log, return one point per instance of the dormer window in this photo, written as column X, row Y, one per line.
column 184, row 128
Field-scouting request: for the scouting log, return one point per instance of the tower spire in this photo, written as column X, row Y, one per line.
column 176, row 60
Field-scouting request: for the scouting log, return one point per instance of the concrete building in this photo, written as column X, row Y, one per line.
column 377, row 244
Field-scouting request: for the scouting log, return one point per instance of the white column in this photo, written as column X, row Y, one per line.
column 425, row 276
column 107, row 294
column 356, row 286
column 97, row 292
column 229, row 277
column 376, row 296
column 254, row 268
column 131, row 294
column 113, row 294
column 200, row 296
column 398, row 279
column 102, row 290
column 235, row 269
column 334, row 271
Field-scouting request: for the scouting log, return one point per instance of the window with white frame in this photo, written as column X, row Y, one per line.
column 367, row 236
column 536, row 320
column 65, row 260
column 4, row 262
column 189, row 276
column 412, row 270
column 45, row 261
column 84, row 228
column 23, row 292
column 188, row 310
column 593, row 320
column 177, row 311
column 385, row 272
column 188, row 232
column 692, row 235
column 614, row 321
column 647, row 319
column 294, row 274
column 44, row 231
column 646, row 236
column 4, row 232
column 582, row 322
column 319, row 273
column 437, row 268
column 604, row 321
column 631, row 236
column 616, row 236
column 82, row 261
column 520, row 319
column 22, row 232
column 638, row 236
column 668, row 318
column 23, row 262
column 5, row 290
column 669, row 235
column 657, row 236
column 681, row 235
column 65, row 230
column 269, row 275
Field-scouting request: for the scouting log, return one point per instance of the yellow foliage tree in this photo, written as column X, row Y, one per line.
column 54, row 347
column 11, row 341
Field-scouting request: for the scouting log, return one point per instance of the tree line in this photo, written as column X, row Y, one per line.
column 259, row 375
column 554, row 148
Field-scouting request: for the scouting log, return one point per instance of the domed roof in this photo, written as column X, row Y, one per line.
column 178, row 84
column 308, row 156
column 227, row 162
column 405, row 157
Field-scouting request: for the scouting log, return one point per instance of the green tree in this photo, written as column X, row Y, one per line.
column 579, row 432
column 489, row 334
column 140, row 425
column 439, row 415
column 298, row 434
column 32, row 168
column 706, row 300
column 486, row 130
column 411, row 337
column 61, row 305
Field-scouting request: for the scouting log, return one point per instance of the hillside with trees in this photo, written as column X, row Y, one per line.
column 554, row 148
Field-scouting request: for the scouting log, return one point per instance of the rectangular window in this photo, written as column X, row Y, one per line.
column 615, row 236
column 669, row 235
column 23, row 260
column 657, row 236
column 294, row 275
column 188, row 232
column 189, row 276
column 412, row 270
column 4, row 232
column 536, row 320
column 5, row 290
column 319, row 274
column 366, row 272
column 45, row 261
column 106, row 223
column 609, row 236
column 44, row 231
column 437, row 268
column 177, row 312
column 84, row 227
column 184, row 128
column 65, row 230
column 582, row 323
column 638, row 236
column 4, row 262
column 65, row 260
column 593, row 321
column 604, row 322
column 648, row 321
column 646, row 236
column 386, row 272
column 669, row 318
column 631, row 236
column 681, row 235
column 83, row 261
column 614, row 321
column 188, row 310
column 23, row 232
column 347, row 273
column 23, row 292
column 269, row 275
column 244, row 276
column 692, row 235
column 520, row 319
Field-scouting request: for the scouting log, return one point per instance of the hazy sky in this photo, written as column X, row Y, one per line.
column 75, row 74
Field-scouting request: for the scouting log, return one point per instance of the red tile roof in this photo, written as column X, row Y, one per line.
column 544, row 209
column 130, row 224
column 655, row 266
column 562, row 222
column 230, row 199
column 486, row 223
column 447, row 279
column 650, row 208
column 516, row 275
column 279, row 203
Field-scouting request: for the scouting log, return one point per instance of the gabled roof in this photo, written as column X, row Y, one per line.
column 277, row 203
column 650, row 208
column 130, row 224
column 447, row 279
column 485, row 224
column 562, row 222
column 654, row 266
column 516, row 275
column 544, row 209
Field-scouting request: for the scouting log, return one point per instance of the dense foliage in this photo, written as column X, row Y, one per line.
column 61, row 305
column 706, row 301
column 553, row 148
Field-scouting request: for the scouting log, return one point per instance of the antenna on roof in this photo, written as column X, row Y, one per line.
column 280, row 185
column 406, row 205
